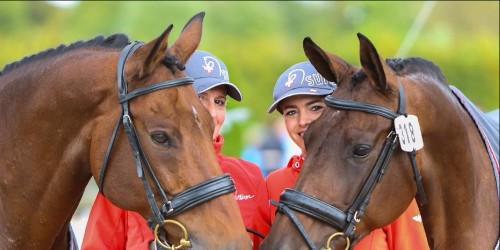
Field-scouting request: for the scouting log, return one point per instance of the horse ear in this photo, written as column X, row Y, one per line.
column 376, row 69
column 330, row 66
column 149, row 55
column 188, row 40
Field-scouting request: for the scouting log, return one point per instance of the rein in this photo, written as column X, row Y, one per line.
column 185, row 200
column 298, row 201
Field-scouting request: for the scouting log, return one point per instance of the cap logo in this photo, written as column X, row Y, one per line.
column 208, row 67
column 293, row 75
column 210, row 64
column 299, row 77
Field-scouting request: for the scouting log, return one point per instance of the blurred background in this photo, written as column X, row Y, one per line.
column 258, row 40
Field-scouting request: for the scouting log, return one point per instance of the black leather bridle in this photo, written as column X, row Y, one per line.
column 346, row 222
column 189, row 198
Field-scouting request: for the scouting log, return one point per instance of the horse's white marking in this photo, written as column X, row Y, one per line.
column 196, row 118
column 335, row 114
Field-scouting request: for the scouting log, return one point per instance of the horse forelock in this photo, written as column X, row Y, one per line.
column 116, row 41
column 358, row 78
column 172, row 63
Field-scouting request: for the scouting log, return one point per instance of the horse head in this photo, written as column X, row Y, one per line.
column 365, row 156
column 125, row 114
column 167, row 139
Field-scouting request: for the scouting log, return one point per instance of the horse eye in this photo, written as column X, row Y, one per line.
column 161, row 138
column 361, row 151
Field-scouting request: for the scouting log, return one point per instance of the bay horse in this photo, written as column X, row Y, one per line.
column 113, row 110
column 393, row 130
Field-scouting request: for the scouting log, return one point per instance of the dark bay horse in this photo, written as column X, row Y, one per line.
column 393, row 130
column 125, row 114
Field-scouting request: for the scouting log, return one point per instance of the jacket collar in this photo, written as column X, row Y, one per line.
column 295, row 162
column 218, row 142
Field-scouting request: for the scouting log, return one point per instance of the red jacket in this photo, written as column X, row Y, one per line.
column 110, row 227
column 405, row 233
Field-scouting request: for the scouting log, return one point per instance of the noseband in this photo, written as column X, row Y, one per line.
column 346, row 222
column 183, row 201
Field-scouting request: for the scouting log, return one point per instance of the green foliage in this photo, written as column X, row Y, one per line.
column 258, row 40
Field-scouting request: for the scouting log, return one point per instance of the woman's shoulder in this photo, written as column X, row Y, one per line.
column 293, row 165
column 278, row 172
column 240, row 166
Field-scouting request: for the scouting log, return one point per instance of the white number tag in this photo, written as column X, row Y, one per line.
column 408, row 130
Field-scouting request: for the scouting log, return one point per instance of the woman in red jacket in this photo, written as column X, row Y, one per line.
column 298, row 96
column 110, row 227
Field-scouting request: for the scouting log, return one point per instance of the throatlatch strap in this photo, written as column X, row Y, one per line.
column 421, row 198
column 106, row 157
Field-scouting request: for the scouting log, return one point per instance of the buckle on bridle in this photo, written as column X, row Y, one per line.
column 356, row 219
column 167, row 208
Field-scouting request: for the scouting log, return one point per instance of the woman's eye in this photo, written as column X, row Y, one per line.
column 361, row 151
column 316, row 108
column 220, row 102
column 290, row 113
column 161, row 138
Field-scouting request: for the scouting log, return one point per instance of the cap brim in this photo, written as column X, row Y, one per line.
column 295, row 92
column 232, row 90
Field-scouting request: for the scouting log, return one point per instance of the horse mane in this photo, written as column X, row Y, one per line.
column 116, row 41
column 416, row 65
column 406, row 67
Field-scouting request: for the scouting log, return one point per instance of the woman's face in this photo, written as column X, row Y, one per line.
column 215, row 101
column 299, row 111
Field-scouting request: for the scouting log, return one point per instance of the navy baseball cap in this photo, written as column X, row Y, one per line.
column 300, row 79
column 209, row 72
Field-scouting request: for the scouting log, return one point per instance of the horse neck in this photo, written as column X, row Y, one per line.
column 47, row 120
column 461, row 200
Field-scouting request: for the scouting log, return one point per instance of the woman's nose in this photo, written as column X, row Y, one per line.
column 210, row 107
column 304, row 120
